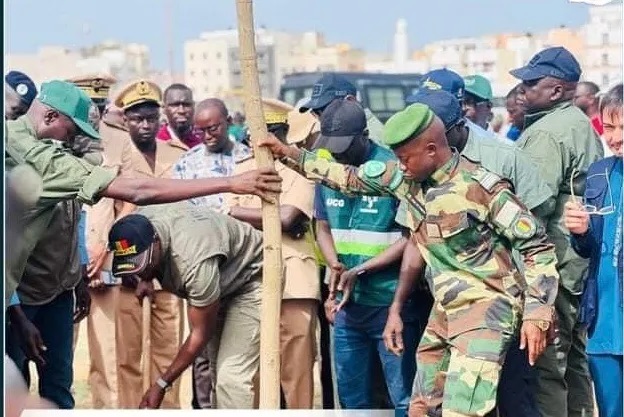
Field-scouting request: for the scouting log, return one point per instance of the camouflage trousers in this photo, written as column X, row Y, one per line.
column 457, row 375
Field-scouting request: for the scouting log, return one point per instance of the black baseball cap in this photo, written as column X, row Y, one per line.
column 555, row 62
column 326, row 89
column 129, row 239
column 341, row 122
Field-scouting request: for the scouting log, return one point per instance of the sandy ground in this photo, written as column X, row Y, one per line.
column 82, row 393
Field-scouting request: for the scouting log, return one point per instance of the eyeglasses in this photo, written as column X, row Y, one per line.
column 210, row 129
column 593, row 210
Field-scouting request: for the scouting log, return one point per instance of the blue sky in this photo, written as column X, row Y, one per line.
column 368, row 24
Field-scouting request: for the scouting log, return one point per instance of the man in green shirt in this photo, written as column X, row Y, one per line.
column 465, row 221
column 515, row 393
column 60, row 113
column 562, row 142
column 332, row 87
column 477, row 103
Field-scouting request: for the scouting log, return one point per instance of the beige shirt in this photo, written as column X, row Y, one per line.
column 117, row 148
column 207, row 255
column 301, row 268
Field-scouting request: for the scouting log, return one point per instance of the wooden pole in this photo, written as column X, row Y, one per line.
column 271, row 225
column 146, row 329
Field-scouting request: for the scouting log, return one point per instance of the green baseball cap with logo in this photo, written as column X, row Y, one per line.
column 70, row 101
column 479, row 86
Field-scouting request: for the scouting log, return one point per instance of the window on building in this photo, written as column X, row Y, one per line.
column 605, row 59
column 218, row 55
column 219, row 71
column 192, row 73
column 605, row 79
column 605, row 39
column 204, row 73
column 385, row 99
column 206, row 90
column 205, row 55
column 191, row 57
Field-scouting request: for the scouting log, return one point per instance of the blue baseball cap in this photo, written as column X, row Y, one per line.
column 328, row 88
column 444, row 104
column 444, row 79
column 341, row 123
column 23, row 86
column 555, row 62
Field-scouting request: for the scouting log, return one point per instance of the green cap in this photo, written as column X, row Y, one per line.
column 406, row 124
column 478, row 86
column 70, row 101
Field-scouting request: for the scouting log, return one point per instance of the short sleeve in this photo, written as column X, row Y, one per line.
column 300, row 195
column 319, row 207
column 202, row 283
column 14, row 299
column 401, row 215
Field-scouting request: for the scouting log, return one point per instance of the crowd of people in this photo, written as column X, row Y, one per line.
column 453, row 265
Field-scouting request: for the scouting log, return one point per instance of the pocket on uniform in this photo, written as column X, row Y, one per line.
column 471, row 387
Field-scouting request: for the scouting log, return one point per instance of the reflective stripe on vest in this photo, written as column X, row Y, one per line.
column 362, row 242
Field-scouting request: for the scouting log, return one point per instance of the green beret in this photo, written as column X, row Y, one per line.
column 406, row 124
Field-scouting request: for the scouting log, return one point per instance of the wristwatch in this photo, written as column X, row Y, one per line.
column 163, row 384
column 543, row 325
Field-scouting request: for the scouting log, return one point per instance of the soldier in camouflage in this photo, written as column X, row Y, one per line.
column 465, row 222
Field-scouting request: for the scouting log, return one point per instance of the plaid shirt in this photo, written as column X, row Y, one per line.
column 200, row 163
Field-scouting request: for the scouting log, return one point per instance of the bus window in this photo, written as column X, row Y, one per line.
column 290, row 96
column 385, row 99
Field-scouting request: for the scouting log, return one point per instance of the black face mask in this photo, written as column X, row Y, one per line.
column 356, row 153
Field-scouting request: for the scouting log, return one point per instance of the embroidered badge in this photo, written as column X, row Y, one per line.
column 524, row 227
column 374, row 169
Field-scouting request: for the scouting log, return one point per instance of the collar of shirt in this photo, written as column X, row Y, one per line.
column 529, row 119
column 190, row 139
column 28, row 125
column 597, row 123
column 445, row 172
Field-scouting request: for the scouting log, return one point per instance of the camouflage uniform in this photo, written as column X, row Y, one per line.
column 465, row 221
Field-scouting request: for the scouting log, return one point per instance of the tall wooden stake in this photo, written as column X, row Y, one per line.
column 146, row 327
column 271, row 279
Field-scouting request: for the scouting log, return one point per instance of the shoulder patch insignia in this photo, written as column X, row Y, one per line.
column 524, row 227
column 374, row 169
column 507, row 214
column 486, row 179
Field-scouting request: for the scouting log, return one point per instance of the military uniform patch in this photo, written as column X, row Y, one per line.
column 433, row 230
column 487, row 179
column 507, row 214
column 524, row 227
column 374, row 169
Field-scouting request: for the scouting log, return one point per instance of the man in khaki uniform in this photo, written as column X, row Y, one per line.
column 302, row 289
column 148, row 158
column 96, row 86
column 116, row 145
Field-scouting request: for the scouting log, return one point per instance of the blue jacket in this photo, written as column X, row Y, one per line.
column 589, row 245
